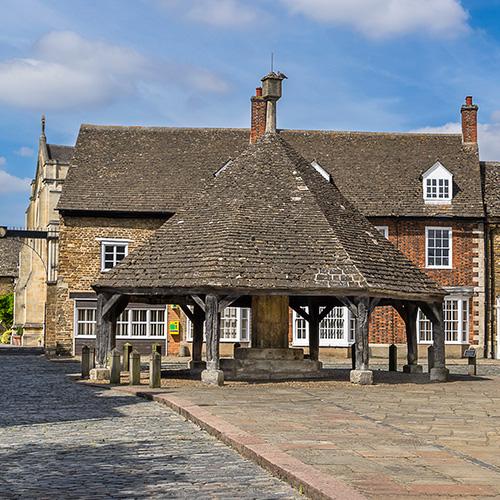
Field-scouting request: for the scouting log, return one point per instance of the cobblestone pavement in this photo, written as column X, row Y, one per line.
column 63, row 440
column 401, row 438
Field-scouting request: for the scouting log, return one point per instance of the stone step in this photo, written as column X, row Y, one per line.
column 253, row 353
column 10, row 350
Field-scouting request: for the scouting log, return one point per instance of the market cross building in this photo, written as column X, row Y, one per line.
column 270, row 231
column 421, row 191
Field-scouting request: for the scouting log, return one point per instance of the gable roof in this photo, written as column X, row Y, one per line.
column 270, row 222
column 9, row 257
column 63, row 154
column 155, row 169
column 491, row 173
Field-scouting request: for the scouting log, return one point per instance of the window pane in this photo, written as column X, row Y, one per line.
column 86, row 321
column 229, row 324
column 301, row 329
column 139, row 322
column 438, row 247
column 332, row 327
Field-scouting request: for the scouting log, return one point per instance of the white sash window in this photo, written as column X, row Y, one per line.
column 136, row 322
column 456, row 322
column 336, row 330
column 235, row 323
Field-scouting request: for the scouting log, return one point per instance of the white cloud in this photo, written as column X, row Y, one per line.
column 488, row 137
column 25, row 151
column 10, row 183
column 387, row 18
column 219, row 13
column 67, row 70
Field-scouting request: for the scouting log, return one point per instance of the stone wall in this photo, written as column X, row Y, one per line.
column 6, row 285
column 495, row 285
column 79, row 266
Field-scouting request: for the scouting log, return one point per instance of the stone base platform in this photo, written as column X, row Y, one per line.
column 269, row 364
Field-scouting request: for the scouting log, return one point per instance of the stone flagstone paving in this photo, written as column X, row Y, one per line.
column 60, row 440
column 410, row 439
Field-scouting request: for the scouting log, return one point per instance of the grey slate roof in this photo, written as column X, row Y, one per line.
column 60, row 153
column 491, row 173
column 271, row 222
column 9, row 257
column 155, row 169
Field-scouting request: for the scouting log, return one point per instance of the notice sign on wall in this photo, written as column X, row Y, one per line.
column 173, row 327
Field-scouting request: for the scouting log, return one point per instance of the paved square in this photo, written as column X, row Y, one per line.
column 61, row 440
column 412, row 439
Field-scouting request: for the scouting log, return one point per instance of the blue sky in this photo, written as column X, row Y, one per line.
column 381, row 65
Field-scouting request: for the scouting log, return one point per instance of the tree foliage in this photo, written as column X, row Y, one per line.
column 7, row 310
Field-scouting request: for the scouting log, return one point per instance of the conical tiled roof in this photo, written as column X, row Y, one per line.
column 269, row 221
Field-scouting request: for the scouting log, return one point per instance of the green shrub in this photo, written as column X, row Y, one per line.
column 7, row 310
column 5, row 338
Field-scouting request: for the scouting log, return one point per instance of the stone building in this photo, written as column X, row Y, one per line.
column 38, row 257
column 9, row 264
column 422, row 191
column 491, row 174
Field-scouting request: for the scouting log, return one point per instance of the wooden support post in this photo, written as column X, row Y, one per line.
column 313, row 330
column 115, row 367
column 135, row 368
column 127, row 350
column 393, row 358
column 103, row 332
column 155, row 370
column 362, row 308
column 198, row 322
column 408, row 313
column 85, row 361
column 430, row 358
column 212, row 375
column 434, row 311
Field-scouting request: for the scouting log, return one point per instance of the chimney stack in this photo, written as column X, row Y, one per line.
column 469, row 121
column 258, row 120
column 271, row 91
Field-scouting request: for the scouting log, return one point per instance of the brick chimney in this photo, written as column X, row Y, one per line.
column 258, row 120
column 469, row 121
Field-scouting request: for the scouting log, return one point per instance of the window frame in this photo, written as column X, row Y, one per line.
column 93, row 306
column 450, row 247
column 347, row 338
column 383, row 230
column 436, row 173
column 244, row 334
column 114, row 242
column 462, row 335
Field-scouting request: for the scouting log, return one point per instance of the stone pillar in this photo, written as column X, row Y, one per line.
column 270, row 321
column 127, row 350
column 85, row 361
column 115, row 367
column 135, row 368
column 155, row 370
column 213, row 374
column 410, row 319
column 362, row 374
column 313, row 330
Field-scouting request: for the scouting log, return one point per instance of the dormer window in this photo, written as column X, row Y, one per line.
column 437, row 184
column 112, row 252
